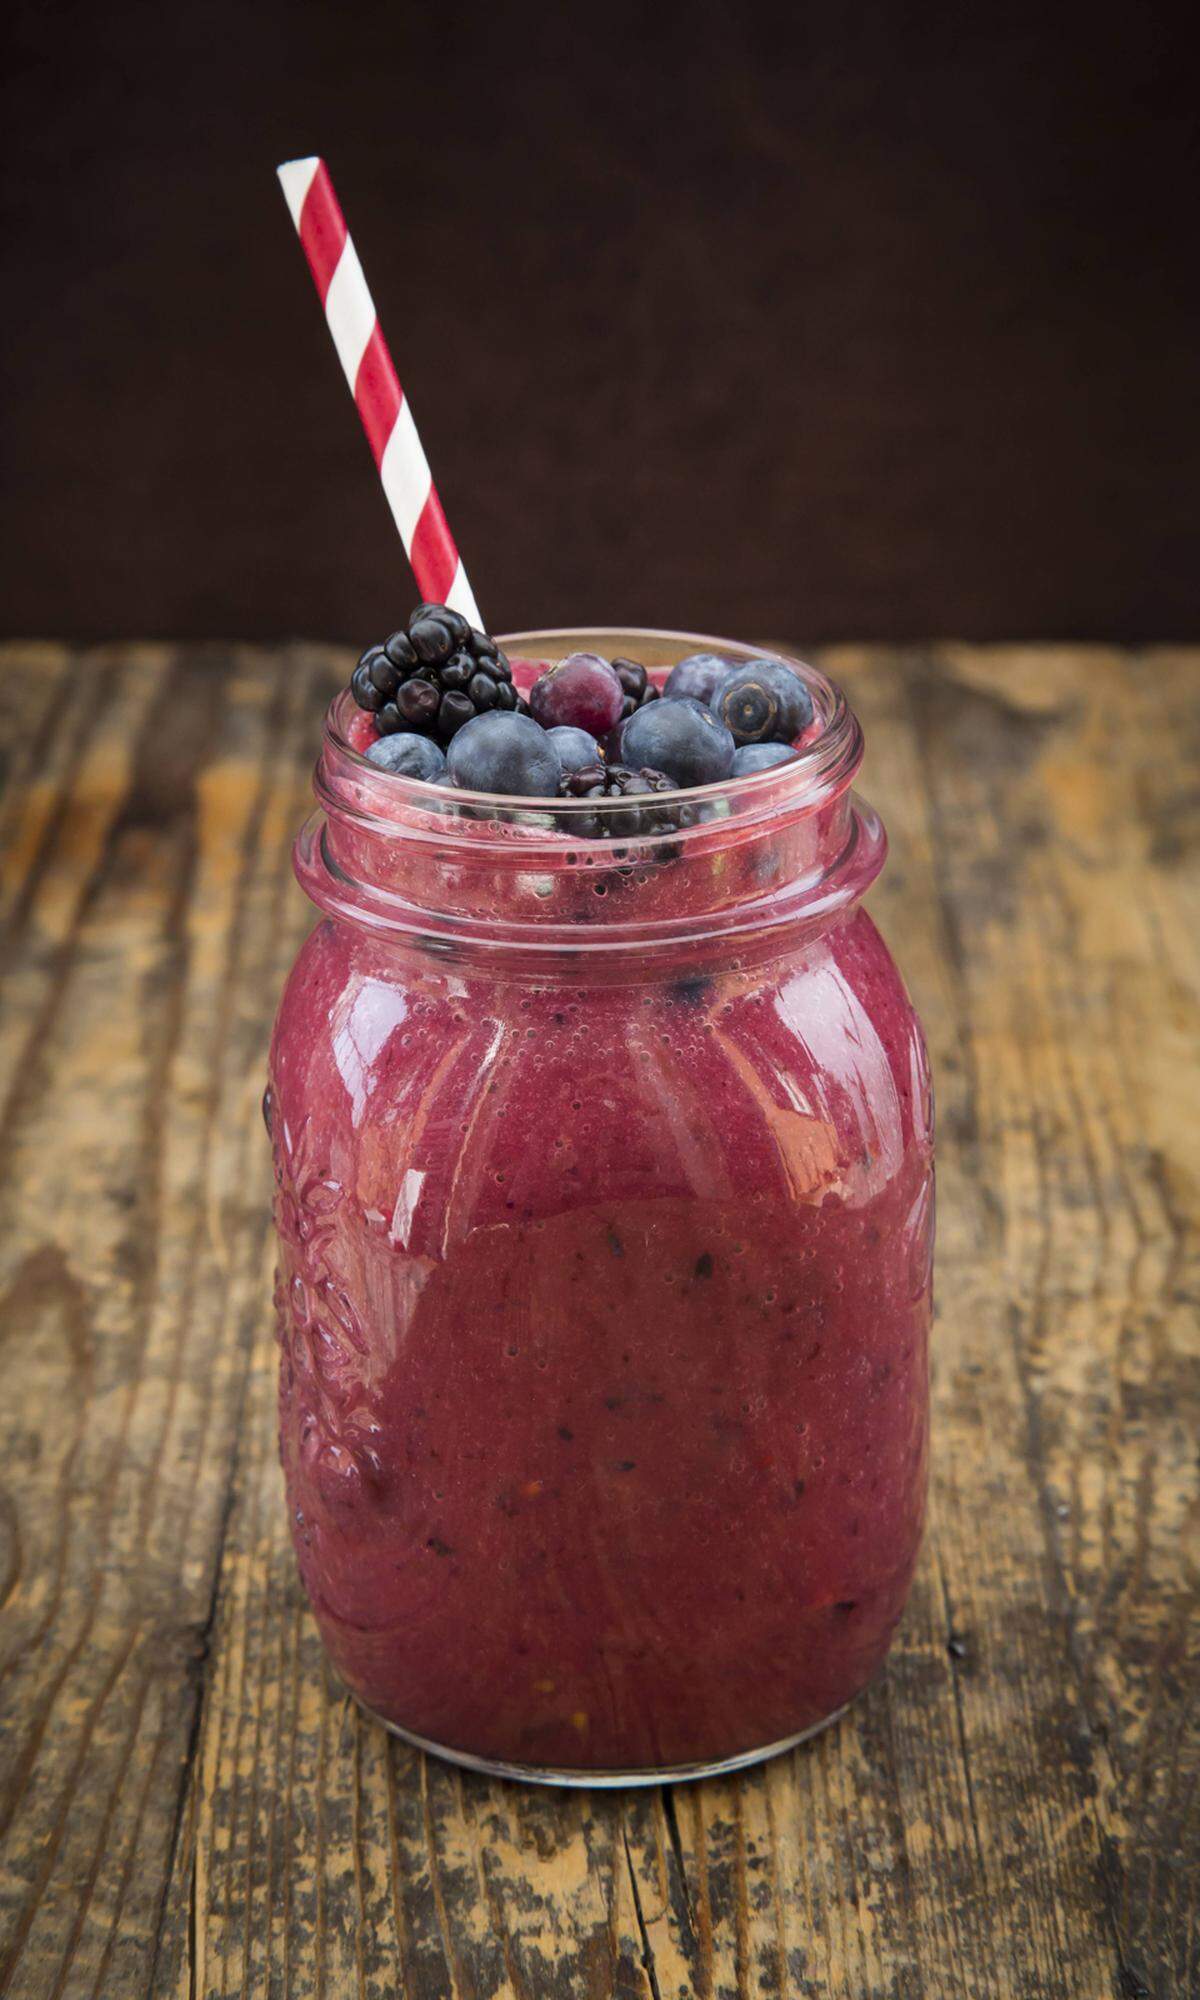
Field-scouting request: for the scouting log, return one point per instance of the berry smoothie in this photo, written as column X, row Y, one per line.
column 605, row 1216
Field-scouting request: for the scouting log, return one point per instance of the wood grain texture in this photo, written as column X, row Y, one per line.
column 188, row 1807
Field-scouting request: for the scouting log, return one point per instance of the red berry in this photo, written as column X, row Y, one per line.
column 581, row 692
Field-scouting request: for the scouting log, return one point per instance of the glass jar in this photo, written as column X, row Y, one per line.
column 605, row 1212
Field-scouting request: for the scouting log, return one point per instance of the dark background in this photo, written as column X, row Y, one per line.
column 842, row 322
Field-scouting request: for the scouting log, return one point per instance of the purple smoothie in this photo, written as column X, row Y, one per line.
column 605, row 1215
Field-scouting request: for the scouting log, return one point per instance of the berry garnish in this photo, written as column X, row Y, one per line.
column 698, row 677
column 636, row 685
column 614, row 781
column 682, row 738
column 434, row 628
column 760, row 757
column 433, row 678
column 575, row 747
column 580, row 692
column 764, row 702
column 504, row 753
column 409, row 756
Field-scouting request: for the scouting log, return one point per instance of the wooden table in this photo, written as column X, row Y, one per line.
column 189, row 1807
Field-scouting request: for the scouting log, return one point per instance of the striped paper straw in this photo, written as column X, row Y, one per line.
column 386, row 414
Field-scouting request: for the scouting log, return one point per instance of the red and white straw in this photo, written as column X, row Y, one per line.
column 382, row 405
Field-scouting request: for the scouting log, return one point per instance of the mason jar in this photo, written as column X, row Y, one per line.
column 603, row 1149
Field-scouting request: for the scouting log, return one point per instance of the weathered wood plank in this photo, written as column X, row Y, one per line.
column 1060, row 787
column 129, row 1272
column 188, row 1806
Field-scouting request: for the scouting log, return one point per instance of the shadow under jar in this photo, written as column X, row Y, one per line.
column 605, row 1211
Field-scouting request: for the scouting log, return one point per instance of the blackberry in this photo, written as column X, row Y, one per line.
column 434, row 677
column 615, row 781
column 637, row 688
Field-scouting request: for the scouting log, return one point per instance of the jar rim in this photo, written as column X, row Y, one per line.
column 761, row 857
column 804, row 782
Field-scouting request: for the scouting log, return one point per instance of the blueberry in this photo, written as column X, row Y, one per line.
column 409, row 756
column 504, row 752
column 576, row 749
column 682, row 738
column 697, row 676
column 760, row 757
column 764, row 702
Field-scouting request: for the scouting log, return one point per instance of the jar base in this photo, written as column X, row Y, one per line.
column 533, row 1774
